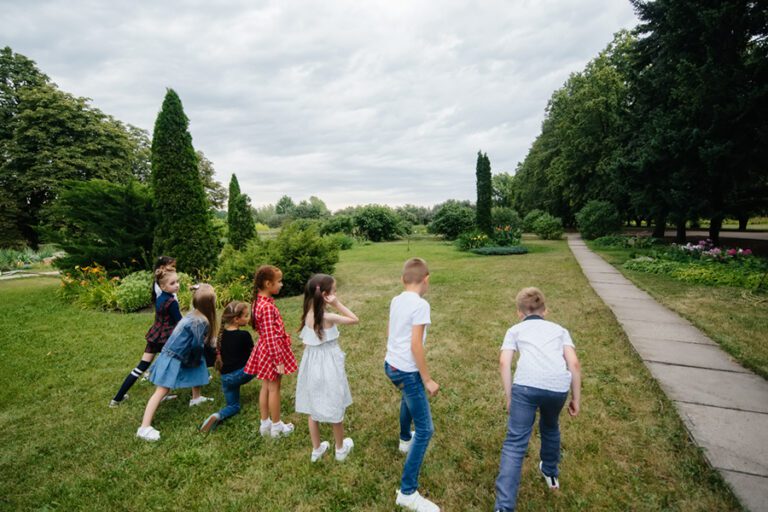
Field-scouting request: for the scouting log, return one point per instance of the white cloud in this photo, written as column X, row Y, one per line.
column 351, row 101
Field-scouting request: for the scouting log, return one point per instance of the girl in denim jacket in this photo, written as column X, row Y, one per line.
column 181, row 363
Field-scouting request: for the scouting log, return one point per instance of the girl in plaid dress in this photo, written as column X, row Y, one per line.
column 272, row 358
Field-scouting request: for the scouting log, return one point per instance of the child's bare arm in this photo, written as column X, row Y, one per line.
column 347, row 317
column 505, row 369
column 417, row 347
column 575, row 368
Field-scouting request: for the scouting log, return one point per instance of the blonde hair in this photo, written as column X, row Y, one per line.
column 530, row 301
column 415, row 270
column 204, row 301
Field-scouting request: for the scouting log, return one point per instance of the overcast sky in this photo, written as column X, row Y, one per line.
column 352, row 101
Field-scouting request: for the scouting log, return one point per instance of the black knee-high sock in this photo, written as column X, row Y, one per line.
column 130, row 379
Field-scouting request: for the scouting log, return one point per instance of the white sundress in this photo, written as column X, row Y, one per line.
column 322, row 390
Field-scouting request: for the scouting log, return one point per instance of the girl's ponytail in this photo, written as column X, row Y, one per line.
column 314, row 300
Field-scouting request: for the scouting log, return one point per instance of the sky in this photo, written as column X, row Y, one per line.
column 355, row 102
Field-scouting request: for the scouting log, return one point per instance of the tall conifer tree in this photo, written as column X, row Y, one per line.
column 239, row 218
column 484, row 193
column 184, row 220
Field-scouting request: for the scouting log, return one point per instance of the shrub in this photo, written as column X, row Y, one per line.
column 89, row 287
column 598, row 218
column 452, row 219
column 503, row 216
column 135, row 291
column 472, row 240
column 234, row 264
column 338, row 224
column 377, row 223
column 530, row 218
column 341, row 240
column 500, row 251
column 702, row 272
column 241, row 289
column 548, row 227
column 623, row 241
column 11, row 259
column 299, row 251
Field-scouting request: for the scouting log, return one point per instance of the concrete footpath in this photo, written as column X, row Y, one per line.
column 724, row 406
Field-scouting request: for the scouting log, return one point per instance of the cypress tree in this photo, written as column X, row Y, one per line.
column 484, row 192
column 184, row 219
column 239, row 219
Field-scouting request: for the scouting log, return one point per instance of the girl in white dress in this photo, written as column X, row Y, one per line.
column 322, row 390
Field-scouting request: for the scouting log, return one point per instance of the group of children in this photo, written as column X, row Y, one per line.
column 546, row 370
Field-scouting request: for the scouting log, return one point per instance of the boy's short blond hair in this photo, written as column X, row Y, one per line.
column 530, row 301
column 415, row 270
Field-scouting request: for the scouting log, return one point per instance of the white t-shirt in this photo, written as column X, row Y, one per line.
column 541, row 364
column 405, row 311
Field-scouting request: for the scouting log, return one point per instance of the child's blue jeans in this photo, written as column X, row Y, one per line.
column 230, row 384
column 414, row 407
column 522, row 413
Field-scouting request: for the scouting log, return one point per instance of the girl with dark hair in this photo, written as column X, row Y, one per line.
column 272, row 358
column 233, row 348
column 181, row 363
column 322, row 390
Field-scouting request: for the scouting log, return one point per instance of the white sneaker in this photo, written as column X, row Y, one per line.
column 415, row 502
column 148, row 433
column 316, row 454
column 114, row 403
column 281, row 429
column 199, row 400
column 551, row 481
column 346, row 447
column 265, row 427
column 405, row 446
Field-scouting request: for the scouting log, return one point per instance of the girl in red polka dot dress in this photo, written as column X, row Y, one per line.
column 272, row 357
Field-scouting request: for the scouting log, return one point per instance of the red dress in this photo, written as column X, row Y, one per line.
column 274, row 345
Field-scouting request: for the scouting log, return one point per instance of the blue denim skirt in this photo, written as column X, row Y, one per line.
column 168, row 373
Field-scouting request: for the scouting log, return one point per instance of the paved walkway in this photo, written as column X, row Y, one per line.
column 20, row 274
column 724, row 406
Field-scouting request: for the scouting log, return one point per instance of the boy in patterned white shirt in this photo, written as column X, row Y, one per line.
column 546, row 369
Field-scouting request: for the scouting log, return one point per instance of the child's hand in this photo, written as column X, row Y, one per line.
column 432, row 387
column 573, row 408
column 280, row 369
column 330, row 298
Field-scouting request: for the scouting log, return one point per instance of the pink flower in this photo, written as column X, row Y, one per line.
column 747, row 252
column 732, row 252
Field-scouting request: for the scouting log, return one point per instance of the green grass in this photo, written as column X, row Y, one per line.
column 64, row 449
column 734, row 318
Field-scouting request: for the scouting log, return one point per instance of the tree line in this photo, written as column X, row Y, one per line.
column 669, row 123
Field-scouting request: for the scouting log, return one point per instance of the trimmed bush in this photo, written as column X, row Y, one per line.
column 377, row 223
column 135, row 291
column 548, row 227
column 299, row 251
column 598, row 218
column 503, row 217
column 530, row 218
column 338, row 224
column 452, row 219
column 235, row 265
column 342, row 241
column 500, row 251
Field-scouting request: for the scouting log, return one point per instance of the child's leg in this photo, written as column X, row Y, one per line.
column 146, row 360
column 522, row 413
column 264, row 400
column 418, row 407
column 274, row 400
column 314, row 432
column 195, row 392
column 230, row 385
column 153, row 404
column 405, row 420
column 549, row 427
column 338, row 434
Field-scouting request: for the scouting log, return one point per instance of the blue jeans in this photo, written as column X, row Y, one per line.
column 522, row 413
column 414, row 407
column 230, row 384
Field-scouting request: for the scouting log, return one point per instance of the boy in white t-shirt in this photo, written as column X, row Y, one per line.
column 406, row 366
column 546, row 369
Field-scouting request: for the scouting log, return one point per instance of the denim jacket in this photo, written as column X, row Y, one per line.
column 187, row 340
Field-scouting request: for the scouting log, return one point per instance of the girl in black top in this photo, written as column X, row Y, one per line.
column 233, row 348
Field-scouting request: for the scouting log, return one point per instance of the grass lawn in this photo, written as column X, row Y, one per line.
column 735, row 318
column 64, row 449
